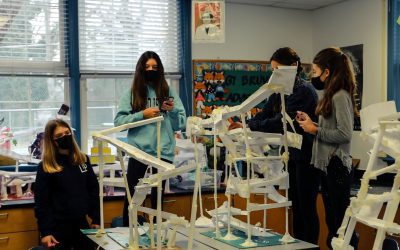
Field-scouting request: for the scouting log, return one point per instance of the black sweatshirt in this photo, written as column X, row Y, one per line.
column 303, row 98
column 68, row 195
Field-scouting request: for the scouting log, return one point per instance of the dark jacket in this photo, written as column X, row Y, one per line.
column 68, row 195
column 303, row 98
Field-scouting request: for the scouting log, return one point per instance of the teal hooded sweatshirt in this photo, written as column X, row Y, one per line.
column 145, row 137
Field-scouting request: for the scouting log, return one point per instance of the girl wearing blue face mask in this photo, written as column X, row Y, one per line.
column 333, row 73
column 66, row 190
column 148, row 97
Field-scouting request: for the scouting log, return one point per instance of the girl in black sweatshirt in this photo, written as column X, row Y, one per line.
column 303, row 177
column 66, row 190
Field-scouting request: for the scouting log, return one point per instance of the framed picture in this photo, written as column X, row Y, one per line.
column 208, row 21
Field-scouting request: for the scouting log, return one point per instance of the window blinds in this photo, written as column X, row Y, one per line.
column 32, row 37
column 114, row 33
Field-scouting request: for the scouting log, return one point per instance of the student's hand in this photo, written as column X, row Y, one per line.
column 301, row 116
column 306, row 123
column 151, row 113
column 167, row 105
column 94, row 226
column 49, row 241
column 234, row 125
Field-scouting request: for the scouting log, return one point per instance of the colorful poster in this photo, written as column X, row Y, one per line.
column 217, row 83
column 208, row 21
column 220, row 83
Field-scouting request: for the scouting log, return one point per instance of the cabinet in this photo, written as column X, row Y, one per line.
column 179, row 205
column 276, row 221
column 112, row 208
column 275, row 217
column 366, row 233
column 208, row 202
column 18, row 229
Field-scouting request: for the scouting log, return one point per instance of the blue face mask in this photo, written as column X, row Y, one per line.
column 317, row 83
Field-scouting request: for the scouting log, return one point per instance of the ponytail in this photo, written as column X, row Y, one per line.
column 341, row 76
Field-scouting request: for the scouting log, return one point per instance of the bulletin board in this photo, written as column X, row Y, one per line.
column 218, row 83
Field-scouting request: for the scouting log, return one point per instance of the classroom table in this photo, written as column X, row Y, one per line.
column 200, row 242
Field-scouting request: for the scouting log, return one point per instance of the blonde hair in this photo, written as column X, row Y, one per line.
column 50, row 149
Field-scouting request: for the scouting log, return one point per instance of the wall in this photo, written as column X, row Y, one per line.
column 255, row 32
column 350, row 23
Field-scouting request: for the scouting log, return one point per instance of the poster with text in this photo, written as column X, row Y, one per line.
column 218, row 83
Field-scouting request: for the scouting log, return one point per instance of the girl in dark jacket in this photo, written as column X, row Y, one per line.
column 303, row 178
column 66, row 190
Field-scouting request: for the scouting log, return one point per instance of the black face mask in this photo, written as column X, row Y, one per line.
column 151, row 75
column 317, row 83
column 65, row 142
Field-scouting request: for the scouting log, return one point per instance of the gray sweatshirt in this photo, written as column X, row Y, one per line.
column 334, row 133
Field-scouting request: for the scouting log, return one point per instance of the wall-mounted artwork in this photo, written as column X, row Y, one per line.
column 229, row 82
column 208, row 21
column 219, row 83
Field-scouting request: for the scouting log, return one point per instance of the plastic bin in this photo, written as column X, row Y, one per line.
column 187, row 180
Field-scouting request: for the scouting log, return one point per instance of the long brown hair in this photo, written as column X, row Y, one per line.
column 50, row 150
column 139, row 90
column 341, row 76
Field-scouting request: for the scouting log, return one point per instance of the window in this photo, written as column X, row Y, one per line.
column 102, row 99
column 32, row 64
column 114, row 33
column 393, row 91
column 112, row 36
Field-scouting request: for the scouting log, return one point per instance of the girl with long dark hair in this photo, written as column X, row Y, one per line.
column 334, row 74
column 149, row 96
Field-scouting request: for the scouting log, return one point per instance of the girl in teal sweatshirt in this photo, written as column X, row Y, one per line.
column 149, row 96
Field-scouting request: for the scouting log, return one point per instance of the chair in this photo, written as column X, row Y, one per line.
column 390, row 244
column 119, row 221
